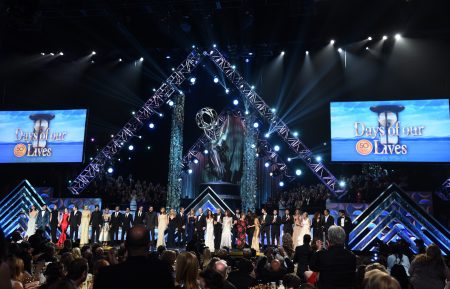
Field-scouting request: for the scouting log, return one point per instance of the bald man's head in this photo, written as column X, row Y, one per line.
column 138, row 241
column 221, row 266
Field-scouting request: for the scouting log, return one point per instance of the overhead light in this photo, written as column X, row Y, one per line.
column 51, row 53
column 255, row 125
column 93, row 52
column 332, row 41
column 120, row 59
column 195, row 161
column 276, row 148
column 141, row 59
column 216, row 79
column 214, row 45
column 42, row 53
column 289, row 159
column 340, row 50
column 298, row 172
column 151, row 125
column 282, row 52
column 227, row 90
column 318, row 158
column 235, row 102
column 110, row 170
column 266, row 164
column 205, row 151
column 281, row 184
column 367, row 48
column 369, row 38
column 193, row 80
column 342, row 184
column 170, row 103
column 190, row 171
column 295, row 134
column 247, row 60
column 398, row 36
column 267, row 135
column 61, row 53
column 385, row 37
column 167, row 56
column 307, row 52
column 273, row 109
column 130, row 147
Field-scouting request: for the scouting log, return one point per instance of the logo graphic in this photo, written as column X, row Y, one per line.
column 364, row 147
column 20, row 150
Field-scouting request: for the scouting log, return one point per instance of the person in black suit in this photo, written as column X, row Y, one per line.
column 345, row 223
column 287, row 222
column 54, row 221
column 116, row 221
column 217, row 228
column 74, row 223
column 151, row 222
column 302, row 256
column 275, row 230
column 250, row 226
column 127, row 222
column 328, row 221
column 181, row 223
column 138, row 269
column 96, row 224
column 265, row 227
column 200, row 225
column 336, row 265
column 317, row 226
column 139, row 217
column 234, row 232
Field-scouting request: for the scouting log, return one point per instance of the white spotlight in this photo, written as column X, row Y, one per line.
column 235, row 102
column 281, row 184
column 247, row 60
column 141, row 59
column 61, row 53
column 133, row 112
column 266, row 164
column 267, row 135
column 282, row 52
column 170, row 103
column 205, row 152
column 110, row 170
column 195, row 161
column 276, row 148
column 298, row 172
column 273, row 109
column 295, row 134
column 318, row 158
column 193, row 80
column 369, row 38
column 214, row 45
column 398, row 36
column 216, row 79
column 190, row 171
column 342, row 184
column 42, row 53
column 340, row 50
column 289, row 159
column 332, row 41
column 148, row 147
column 93, row 52
column 256, row 125
column 233, row 66
column 130, row 147
column 307, row 52
column 51, row 53
column 247, row 112
column 367, row 48
column 252, row 87
column 271, row 174
column 120, row 59
column 227, row 90
column 151, row 125
column 385, row 37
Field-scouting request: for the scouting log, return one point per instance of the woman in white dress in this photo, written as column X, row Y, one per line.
column 163, row 221
column 297, row 228
column 85, row 218
column 305, row 227
column 227, row 223
column 104, row 232
column 209, row 236
column 31, row 226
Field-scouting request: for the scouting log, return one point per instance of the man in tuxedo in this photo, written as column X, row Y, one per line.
column 139, row 217
column 139, row 268
column 74, row 223
column 345, row 223
column 151, row 222
column 275, row 230
column 287, row 221
column 96, row 224
column 54, row 223
column 236, row 218
column 181, row 225
column 116, row 221
column 336, row 265
column 127, row 222
column 302, row 256
column 43, row 218
column 217, row 228
column 265, row 227
column 200, row 225
column 328, row 221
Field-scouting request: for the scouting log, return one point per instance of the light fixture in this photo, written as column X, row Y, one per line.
column 227, row 90
column 130, row 147
column 367, row 48
column 110, row 170
column 148, row 147
column 298, row 172
column 42, row 53
column 276, row 148
column 235, row 102
column 61, row 53
column 295, row 134
column 398, row 36
column 273, row 109
column 120, row 59
column 267, row 135
column 141, row 59
column 195, row 161
column 385, row 37
column 282, row 52
column 216, row 79
column 266, row 164
column 369, row 38
column 247, row 60
column 342, row 184
column 151, row 125
column 340, row 50
column 289, row 159
column 332, row 41
column 214, row 45
column 190, row 171
column 205, row 151
column 170, row 103
column 318, row 158
column 167, row 56
column 193, row 80
column 281, row 184
column 307, row 52
column 93, row 52
column 255, row 125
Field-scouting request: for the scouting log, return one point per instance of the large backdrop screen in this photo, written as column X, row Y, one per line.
column 42, row 136
column 391, row 131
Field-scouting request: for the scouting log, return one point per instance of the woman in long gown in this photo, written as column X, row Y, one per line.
column 104, row 232
column 305, row 227
column 297, row 228
column 31, row 225
column 163, row 221
column 241, row 227
column 227, row 223
column 190, row 226
column 85, row 218
column 209, row 236
column 63, row 224
column 255, row 239
column 173, row 223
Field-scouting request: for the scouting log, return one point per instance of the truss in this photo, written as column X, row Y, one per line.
column 163, row 94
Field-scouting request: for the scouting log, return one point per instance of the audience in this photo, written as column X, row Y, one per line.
column 186, row 271
column 221, row 267
column 242, row 277
column 210, row 279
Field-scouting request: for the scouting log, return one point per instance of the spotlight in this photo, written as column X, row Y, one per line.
column 154, row 89
column 271, row 174
column 42, row 53
column 307, row 52
column 133, row 112
column 148, row 147
column 193, row 46
column 318, row 158
column 289, row 159
column 385, row 37
column 93, row 52
column 246, row 112
column 267, row 135
column 282, row 52
column 295, row 134
column 190, row 171
column 110, row 170
column 276, row 148
column 205, row 152
column 266, row 164
column 214, row 45
column 193, row 79
column 233, row 66
column 250, row 53
column 342, row 184
column 227, row 90
column 369, row 38
column 120, row 59
column 398, row 36
column 129, row 158
column 216, row 79
column 92, row 139
column 281, row 184
column 112, row 136
column 235, row 102
column 253, row 146
column 70, row 181
column 273, row 109
column 332, row 41
column 367, row 48
column 91, row 158
column 173, row 69
column 195, row 161
column 252, row 87
column 61, row 53
column 141, row 59
column 160, row 114
column 170, row 103
column 151, row 125
column 168, row 57
column 52, row 53
column 298, row 172
column 247, row 60
column 130, row 147
column 92, row 61
column 255, row 125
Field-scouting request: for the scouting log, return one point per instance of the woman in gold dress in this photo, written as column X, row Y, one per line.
column 85, row 218
column 255, row 239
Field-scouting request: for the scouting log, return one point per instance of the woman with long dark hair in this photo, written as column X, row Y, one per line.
column 186, row 271
column 173, row 222
column 317, row 225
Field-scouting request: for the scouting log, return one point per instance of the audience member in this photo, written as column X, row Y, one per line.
column 222, row 268
column 380, row 280
column 241, row 277
column 186, row 271
column 210, row 279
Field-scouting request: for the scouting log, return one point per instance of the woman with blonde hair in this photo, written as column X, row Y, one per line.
column 255, row 239
column 18, row 274
column 186, row 271
column 376, row 279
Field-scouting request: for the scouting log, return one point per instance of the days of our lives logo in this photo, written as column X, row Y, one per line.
column 35, row 143
column 385, row 138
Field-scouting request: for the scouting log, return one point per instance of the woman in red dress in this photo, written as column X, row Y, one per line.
column 63, row 225
column 241, row 226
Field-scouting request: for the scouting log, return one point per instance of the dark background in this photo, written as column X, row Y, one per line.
column 416, row 67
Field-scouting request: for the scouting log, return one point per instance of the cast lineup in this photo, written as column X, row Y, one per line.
column 175, row 229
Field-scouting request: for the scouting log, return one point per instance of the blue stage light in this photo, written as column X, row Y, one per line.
column 247, row 60
column 252, row 87
column 168, row 57
column 130, row 147
column 282, row 52
column 273, row 109
column 307, row 52
column 233, row 66
column 227, row 90
column 216, row 79
column 266, row 164
column 276, row 148
column 246, row 112
column 318, row 158
column 190, row 171
column 193, row 80
column 267, row 135
column 342, row 184
column 214, row 45
column 289, row 159
column 298, row 172
column 255, row 125
column 110, row 170
column 151, row 125
column 170, row 103
column 195, row 161
column 295, row 134
column 205, row 152
column 235, row 102
column 281, row 184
